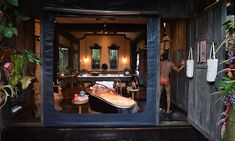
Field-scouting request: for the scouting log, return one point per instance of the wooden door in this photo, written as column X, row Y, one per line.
column 178, row 53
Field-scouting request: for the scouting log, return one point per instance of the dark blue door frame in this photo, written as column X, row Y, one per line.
column 149, row 117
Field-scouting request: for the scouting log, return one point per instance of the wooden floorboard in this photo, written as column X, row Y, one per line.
column 174, row 133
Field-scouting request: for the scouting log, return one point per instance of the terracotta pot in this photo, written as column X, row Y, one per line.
column 230, row 126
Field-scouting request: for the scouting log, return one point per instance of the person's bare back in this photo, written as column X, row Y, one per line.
column 166, row 67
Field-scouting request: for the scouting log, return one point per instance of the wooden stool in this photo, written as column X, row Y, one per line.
column 133, row 91
column 79, row 103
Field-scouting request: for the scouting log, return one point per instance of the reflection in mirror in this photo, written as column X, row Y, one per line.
column 83, row 86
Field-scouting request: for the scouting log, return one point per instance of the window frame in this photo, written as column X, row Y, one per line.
column 148, row 117
column 95, row 46
column 67, row 59
column 114, row 47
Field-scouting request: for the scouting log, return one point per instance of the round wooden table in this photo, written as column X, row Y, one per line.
column 79, row 103
column 133, row 91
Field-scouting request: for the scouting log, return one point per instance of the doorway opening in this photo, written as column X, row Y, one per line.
column 173, row 42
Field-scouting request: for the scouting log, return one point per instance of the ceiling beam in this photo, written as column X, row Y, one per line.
column 102, row 27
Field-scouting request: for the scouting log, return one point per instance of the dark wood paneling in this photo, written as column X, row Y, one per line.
column 184, row 133
column 100, row 27
column 203, row 111
column 174, row 9
column 166, row 8
column 178, row 53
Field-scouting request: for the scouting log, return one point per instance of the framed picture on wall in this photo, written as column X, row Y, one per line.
column 202, row 51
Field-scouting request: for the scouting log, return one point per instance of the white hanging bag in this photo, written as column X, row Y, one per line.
column 190, row 64
column 212, row 65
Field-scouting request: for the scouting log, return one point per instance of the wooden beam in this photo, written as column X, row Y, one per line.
column 69, row 36
column 100, row 27
column 101, row 12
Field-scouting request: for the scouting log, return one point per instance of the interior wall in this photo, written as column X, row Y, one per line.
column 105, row 41
column 64, row 41
column 72, row 45
column 37, row 84
column 176, row 30
column 165, row 44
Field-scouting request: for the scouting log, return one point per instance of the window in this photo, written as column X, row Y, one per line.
column 113, row 56
column 63, row 58
column 95, row 56
column 75, row 56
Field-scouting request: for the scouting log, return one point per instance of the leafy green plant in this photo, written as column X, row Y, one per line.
column 17, row 65
column 13, row 72
column 8, row 90
column 12, row 62
column 9, row 14
column 226, row 86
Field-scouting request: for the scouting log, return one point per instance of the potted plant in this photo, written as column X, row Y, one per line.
column 226, row 87
column 11, row 72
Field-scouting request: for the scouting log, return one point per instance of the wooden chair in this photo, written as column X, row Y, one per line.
column 117, row 85
column 58, row 97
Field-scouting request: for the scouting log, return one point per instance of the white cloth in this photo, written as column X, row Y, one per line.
column 190, row 64
column 212, row 65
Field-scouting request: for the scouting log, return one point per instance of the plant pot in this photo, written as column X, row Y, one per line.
column 230, row 126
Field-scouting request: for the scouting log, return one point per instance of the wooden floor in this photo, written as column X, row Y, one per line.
column 183, row 133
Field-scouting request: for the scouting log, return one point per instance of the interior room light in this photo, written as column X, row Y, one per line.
column 86, row 60
column 124, row 59
column 165, row 38
column 164, row 25
column 228, row 3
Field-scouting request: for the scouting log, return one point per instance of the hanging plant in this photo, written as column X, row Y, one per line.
column 9, row 14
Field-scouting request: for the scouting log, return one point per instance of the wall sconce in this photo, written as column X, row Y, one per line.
column 124, row 59
column 86, row 60
column 165, row 37
column 228, row 3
